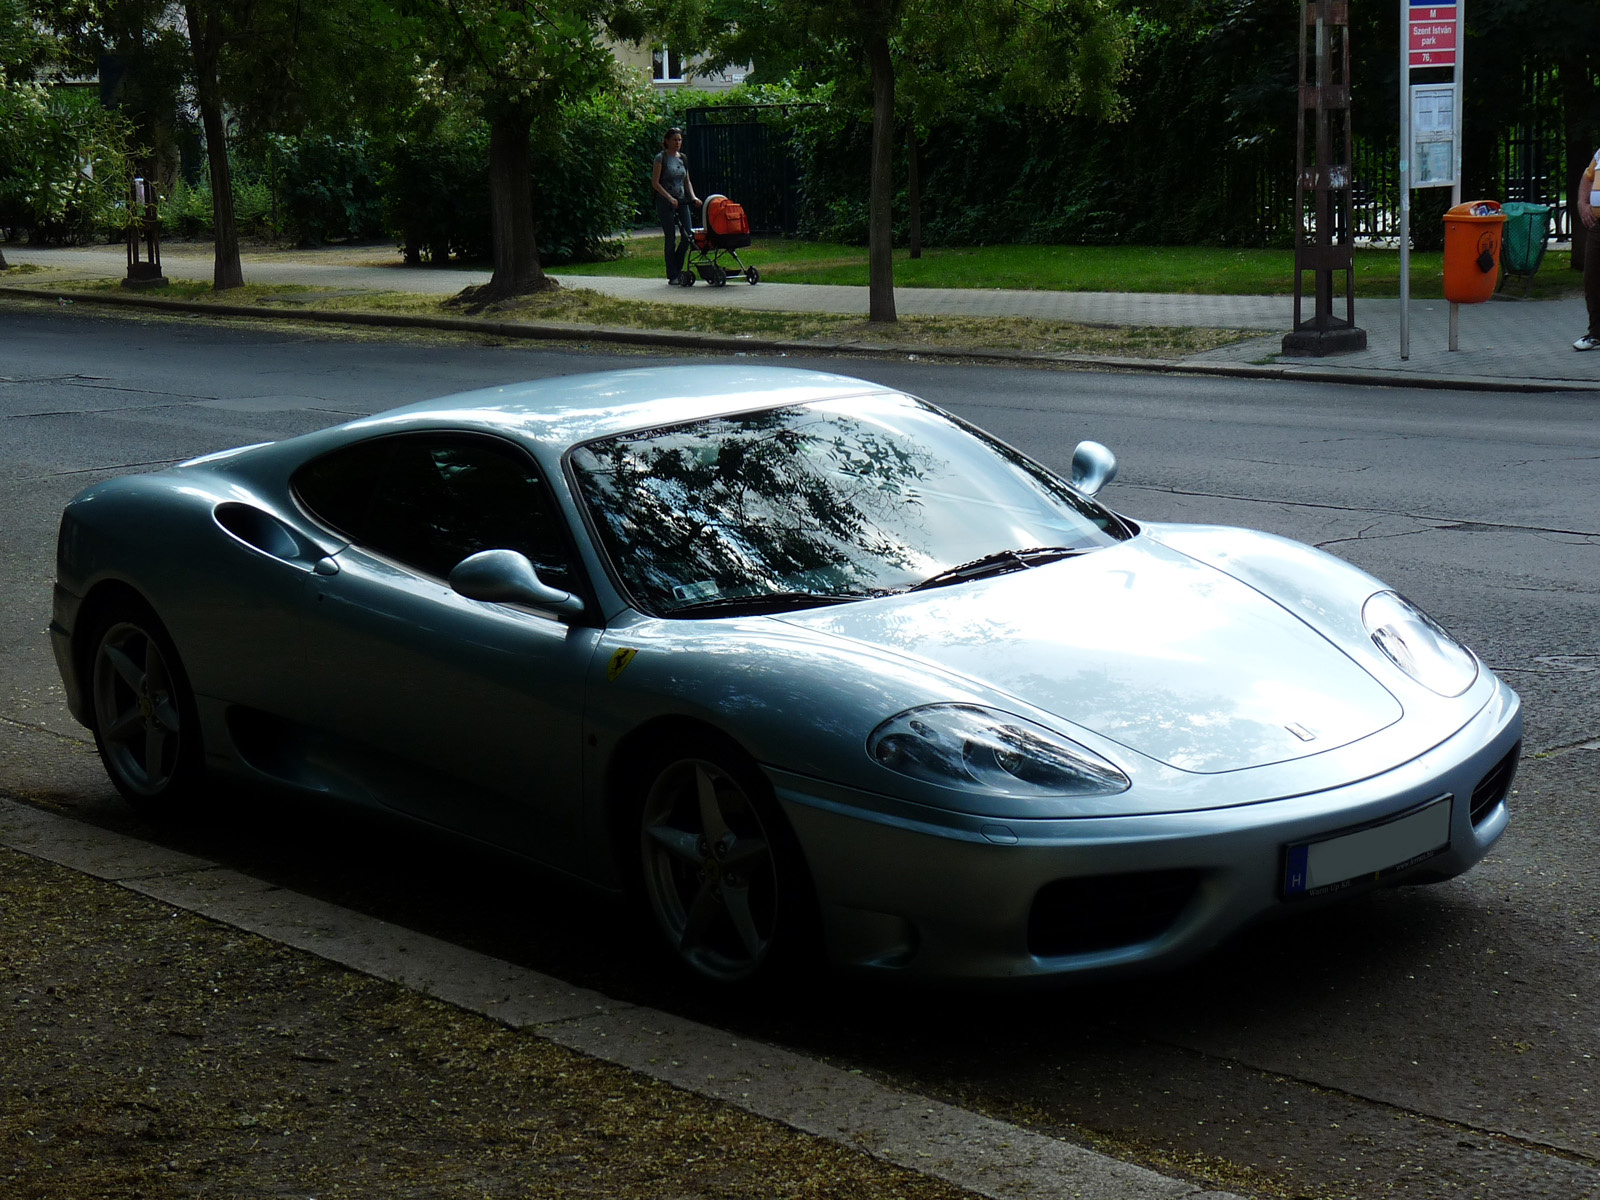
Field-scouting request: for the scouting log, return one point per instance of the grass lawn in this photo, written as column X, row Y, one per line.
column 581, row 307
column 1200, row 270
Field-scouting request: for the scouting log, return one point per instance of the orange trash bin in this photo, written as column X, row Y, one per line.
column 1472, row 251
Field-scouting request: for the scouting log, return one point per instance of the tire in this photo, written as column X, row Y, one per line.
column 752, row 276
column 719, row 868
column 686, row 279
column 719, row 277
column 146, row 726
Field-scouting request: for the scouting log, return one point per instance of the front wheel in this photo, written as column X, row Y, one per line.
column 720, row 870
column 752, row 276
column 145, row 724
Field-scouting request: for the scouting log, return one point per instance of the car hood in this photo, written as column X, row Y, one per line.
column 1142, row 645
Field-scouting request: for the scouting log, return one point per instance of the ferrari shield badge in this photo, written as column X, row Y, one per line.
column 619, row 663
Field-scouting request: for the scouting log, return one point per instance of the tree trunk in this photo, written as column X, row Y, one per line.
column 914, row 190
column 205, row 42
column 880, row 223
column 1577, row 97
column 4, row 265
column 516, row 248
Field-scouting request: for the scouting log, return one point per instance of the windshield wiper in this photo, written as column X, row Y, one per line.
column 765, row 602
column 1001, row 562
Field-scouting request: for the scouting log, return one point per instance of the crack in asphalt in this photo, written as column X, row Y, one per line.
column 1437, row 522
column 51, row 378
column 155, row 462
column 1361, row 536
column 1584, row 539
column 93, row 412
column 65, row 737
column 122, row 387
column 1274, row 462
column 99, row 383
column 1510, row 1139
column 1546, row 590
column 1570, row 748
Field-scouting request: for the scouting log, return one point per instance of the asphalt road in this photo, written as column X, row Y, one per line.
column 1415, row 1043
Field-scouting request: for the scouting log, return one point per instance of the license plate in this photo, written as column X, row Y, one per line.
column 1371, row 853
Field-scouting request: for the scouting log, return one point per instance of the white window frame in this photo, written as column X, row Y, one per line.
column 661, row 63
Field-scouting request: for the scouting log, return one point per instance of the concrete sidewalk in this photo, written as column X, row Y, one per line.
column 1505, row 342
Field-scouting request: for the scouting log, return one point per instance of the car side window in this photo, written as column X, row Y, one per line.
column 339, row 488
column 429, row 501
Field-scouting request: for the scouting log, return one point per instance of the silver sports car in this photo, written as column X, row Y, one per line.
column 799, row 660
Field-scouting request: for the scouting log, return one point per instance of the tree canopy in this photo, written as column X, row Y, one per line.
column 513, row 62
column 1060, row 55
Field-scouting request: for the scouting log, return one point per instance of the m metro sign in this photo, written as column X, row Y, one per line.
column 1432, row 33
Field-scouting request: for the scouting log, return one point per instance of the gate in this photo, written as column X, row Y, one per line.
column 732, row 152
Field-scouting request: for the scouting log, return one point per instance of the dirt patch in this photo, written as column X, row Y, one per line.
column 151, row 1053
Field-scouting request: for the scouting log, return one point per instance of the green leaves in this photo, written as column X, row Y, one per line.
column 500, row 56
column 62, row 162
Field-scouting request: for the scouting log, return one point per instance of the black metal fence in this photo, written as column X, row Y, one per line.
column 1528, row 162
column 743, row 152
column 734, row 151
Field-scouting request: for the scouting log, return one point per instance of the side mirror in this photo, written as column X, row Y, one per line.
column 1093, row 466
column 507, row 577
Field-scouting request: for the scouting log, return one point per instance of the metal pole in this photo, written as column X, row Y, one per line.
column 1405, row 180
column 1455, row 150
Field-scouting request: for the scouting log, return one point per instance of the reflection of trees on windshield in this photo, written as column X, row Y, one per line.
column 776, row 501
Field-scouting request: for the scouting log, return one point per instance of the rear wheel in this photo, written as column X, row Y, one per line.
column 145, row 724
column 720, row 869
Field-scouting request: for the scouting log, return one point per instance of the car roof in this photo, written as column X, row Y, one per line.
column 554, row 414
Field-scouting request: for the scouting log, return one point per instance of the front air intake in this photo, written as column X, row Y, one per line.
column 1104, row 912
column 1495, row 786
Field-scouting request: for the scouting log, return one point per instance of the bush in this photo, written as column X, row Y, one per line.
column 187, row 211
column 1202, row 153
column 586, row 166
column 328, row 189
column 435, row 190
column 586, row 172
column 63, row 164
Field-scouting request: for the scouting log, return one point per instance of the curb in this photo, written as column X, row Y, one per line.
column 990, row 1158
column 671, row 339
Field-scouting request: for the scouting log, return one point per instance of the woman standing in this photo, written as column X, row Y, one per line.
column 1588, row 197
column 669, row 178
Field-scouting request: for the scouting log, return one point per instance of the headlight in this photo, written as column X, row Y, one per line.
column 1415, row 643
column 980, row 750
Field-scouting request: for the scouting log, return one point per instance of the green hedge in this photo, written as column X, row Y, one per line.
column 327, row 189
column 186, row 211
column 586, row 165
column 1210, row 107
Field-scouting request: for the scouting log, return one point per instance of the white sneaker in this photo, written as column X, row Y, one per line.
column 1587, row 342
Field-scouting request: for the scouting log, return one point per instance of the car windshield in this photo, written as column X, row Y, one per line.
column 819, row 503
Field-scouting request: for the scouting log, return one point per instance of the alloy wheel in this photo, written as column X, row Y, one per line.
column 709, row 869
column 137, row 713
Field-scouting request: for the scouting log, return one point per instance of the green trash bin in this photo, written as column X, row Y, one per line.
column 1526, row 234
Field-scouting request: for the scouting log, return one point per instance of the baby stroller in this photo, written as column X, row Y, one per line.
column 726, row 229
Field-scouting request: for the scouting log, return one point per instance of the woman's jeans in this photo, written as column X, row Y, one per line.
column 674, row 220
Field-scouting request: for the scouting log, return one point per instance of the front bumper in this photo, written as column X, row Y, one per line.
column 935, row 894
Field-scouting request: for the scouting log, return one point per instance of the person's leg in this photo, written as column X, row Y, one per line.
column 1591, row 279
column 687, row 228
column 669, row 228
